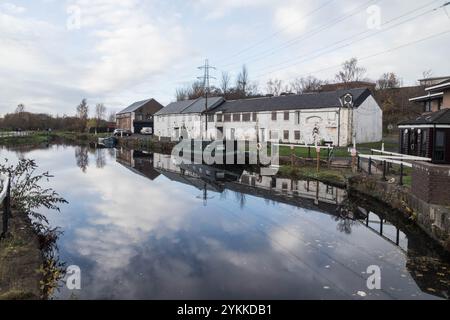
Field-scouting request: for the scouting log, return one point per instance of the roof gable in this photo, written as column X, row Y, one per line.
column 191, row 106
column 135, row 106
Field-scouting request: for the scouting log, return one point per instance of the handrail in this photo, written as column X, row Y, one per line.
column 5, row 188
column 380, row 158
column 5, row 200
column 405, row 156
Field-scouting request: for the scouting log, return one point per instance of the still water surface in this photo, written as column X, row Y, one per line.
column 141, row 227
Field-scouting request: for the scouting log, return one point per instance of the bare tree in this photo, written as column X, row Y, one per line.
column 83, row 114
column 225, row 83
column 242, row 81
column 182, row 94
column 388, row 81
column 100, row 111
column 274, row 87
column 350, row 72
column 112, row 117
column 306, row 85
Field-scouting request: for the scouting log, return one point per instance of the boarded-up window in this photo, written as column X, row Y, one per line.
column 274, row 116
column 273, row 135
column 255, row 116
column 246, row 117
column 297, row 135
column 236, row 117
column 227, row 117
column 297, row 117
column 286, row 134
column 286, row 116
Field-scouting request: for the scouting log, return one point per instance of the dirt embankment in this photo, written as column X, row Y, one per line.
column 20, row 261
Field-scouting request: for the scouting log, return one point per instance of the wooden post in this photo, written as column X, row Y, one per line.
column 6, row 210
column 318, row 158
column 384, row 170
column 292, row 156
column 359, row 163
column 401, row 174
column 309, row 152
column 370, row 166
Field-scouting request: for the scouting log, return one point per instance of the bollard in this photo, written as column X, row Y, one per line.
column 401, row 174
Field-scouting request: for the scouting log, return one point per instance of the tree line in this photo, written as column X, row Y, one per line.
column 243, row 87
column 21, row 119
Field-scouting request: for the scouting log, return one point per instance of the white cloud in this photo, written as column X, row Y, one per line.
column 11, row 8
column 290, row 19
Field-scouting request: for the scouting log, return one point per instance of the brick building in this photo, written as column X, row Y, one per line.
column 138, row 115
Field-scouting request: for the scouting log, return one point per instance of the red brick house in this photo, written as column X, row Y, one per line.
column 138, row 115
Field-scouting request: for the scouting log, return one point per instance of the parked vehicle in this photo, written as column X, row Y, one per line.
column 122, row 132
column 109, row 142
column 147, row 131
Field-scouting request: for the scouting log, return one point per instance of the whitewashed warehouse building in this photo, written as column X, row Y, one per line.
column 297, row 119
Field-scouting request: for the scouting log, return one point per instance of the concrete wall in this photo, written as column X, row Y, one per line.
column 194, row 124
column 369, row 121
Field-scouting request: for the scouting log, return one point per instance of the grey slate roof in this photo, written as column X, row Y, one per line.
column 134, row 106
column 190, row 106
column 294, row 102
column 438, row 117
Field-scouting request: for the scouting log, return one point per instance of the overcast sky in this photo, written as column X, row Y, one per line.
column 53, row 53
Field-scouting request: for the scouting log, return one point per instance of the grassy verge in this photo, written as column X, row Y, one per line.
column 337, row 177
column 37, row 138
column 33, row 138
column 340, row 152
column 20, row 261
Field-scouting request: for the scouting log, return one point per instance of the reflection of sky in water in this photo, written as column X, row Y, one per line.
column 137, row 238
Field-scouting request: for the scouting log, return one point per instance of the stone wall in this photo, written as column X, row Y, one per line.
column 433, row 219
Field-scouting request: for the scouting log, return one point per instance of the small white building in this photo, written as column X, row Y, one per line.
column 188, row 116
column 296, row 119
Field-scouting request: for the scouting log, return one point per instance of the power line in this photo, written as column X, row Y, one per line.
column 277, row 32
column 332, row 47
column 205, row 79
column 206, row 86
column 376, row 54
column 299, row 39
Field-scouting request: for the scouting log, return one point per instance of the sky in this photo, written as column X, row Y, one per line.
column 54, row 53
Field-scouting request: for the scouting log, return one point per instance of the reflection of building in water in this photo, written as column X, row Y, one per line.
column 311, row 194
column 304, row 189
column 424, row 260
column 138, row 162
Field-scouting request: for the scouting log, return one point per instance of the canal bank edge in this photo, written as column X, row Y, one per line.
column 432, row 219
column 21, row 260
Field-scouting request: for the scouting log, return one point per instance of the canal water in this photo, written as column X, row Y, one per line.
column 142, row 226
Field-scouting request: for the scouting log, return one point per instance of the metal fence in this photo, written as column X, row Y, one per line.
column 5, row 200
column 387, row 164
column 9, row 134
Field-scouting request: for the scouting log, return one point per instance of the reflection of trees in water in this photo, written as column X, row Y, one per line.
column 345, row 216
column 82, row 157
column 100, row 158
column 240, row 197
